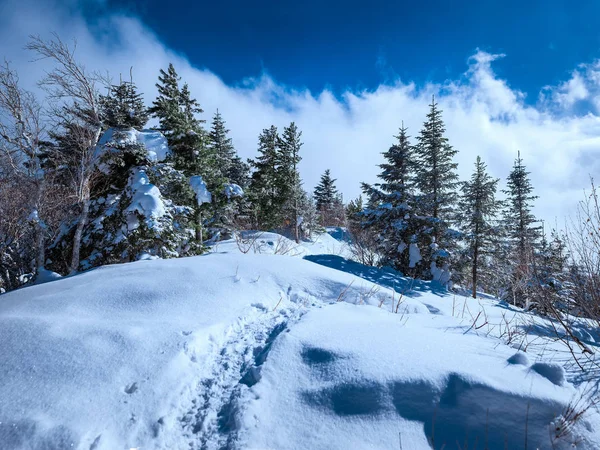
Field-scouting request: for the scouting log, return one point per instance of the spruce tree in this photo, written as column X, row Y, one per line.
column 523, row 233
column 221, row 145
column 478, row 207
column 123, row 107
column 390, row 213
column 436, row 180
column 325, row 192
column 166, row 106
column 264, row 193
column 328, row 202
column 288, row 176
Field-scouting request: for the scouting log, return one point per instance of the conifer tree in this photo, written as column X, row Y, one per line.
column 288, row 176
column 478, row 207
column 123, row 107
column 523, row 234
column 221, row 145
column 328, row 201
column 166, row 105
column 390, row 214
column 325, row 192
column 436, row 180
column 264, row 192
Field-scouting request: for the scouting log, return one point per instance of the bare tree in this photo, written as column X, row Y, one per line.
column 23, row 181
column 74, row 96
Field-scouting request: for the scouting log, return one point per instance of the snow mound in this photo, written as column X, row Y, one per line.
column 518, row 358
column 552, row 372
column 351, row 377
column 122, row 356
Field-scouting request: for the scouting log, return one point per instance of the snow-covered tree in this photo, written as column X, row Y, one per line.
column 123, row 107
column 436, row 180
column 477, row 208
column 390, row 214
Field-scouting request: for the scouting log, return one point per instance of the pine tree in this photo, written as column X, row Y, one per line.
column 264, row 193
column 478, row 207
column 123, row 107
column 437, row 180
column 288, row 176
column 523, row 234
column 390, row 213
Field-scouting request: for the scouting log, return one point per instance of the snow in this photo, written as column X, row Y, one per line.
column 146, row 200
column 414, row 255
column 154, row 141
column 233, row 190
column 199, row 187
column 261, row 350
column 44, row 276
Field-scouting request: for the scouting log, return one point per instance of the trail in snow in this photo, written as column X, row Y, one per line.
column 214, row 417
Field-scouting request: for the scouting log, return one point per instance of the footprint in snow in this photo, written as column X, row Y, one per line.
column 130, row 389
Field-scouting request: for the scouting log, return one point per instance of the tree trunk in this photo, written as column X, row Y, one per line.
column 199, row 237
column 475, row 261
column 83, row 218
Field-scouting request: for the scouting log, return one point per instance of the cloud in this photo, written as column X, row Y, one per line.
column 483, row 114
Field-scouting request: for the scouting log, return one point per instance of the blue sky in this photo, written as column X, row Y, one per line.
column 360, row 44
column 348, row 73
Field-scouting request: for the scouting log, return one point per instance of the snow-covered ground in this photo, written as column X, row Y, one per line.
column 270, row 349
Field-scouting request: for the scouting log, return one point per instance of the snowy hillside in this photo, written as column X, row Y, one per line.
column 254, row 349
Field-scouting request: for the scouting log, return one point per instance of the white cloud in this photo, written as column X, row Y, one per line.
column 483, row 114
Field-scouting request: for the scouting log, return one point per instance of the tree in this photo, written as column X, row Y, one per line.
column 76, row 109
column 264, row 191
column 436, row 180
column 523, row 234
column 325, row 192
column 328, row 201
column 390, row 214
column 166, row 106
column 221, row 145
column 288, row 175
column 477, row 208
column 363, row 243
column 123, row 107
column 29, row 200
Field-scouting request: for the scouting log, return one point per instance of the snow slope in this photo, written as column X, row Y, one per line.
column 267, row 351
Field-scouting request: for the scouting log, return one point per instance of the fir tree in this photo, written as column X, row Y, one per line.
column 123, row 107
column 523, row 234
column 288, row 176
column 325, row 192
column 390, row 213
column 436, row 180
column 328, row 202
column 478, row 207
column 264, row 193
column 166, row 105
column 221, row 145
